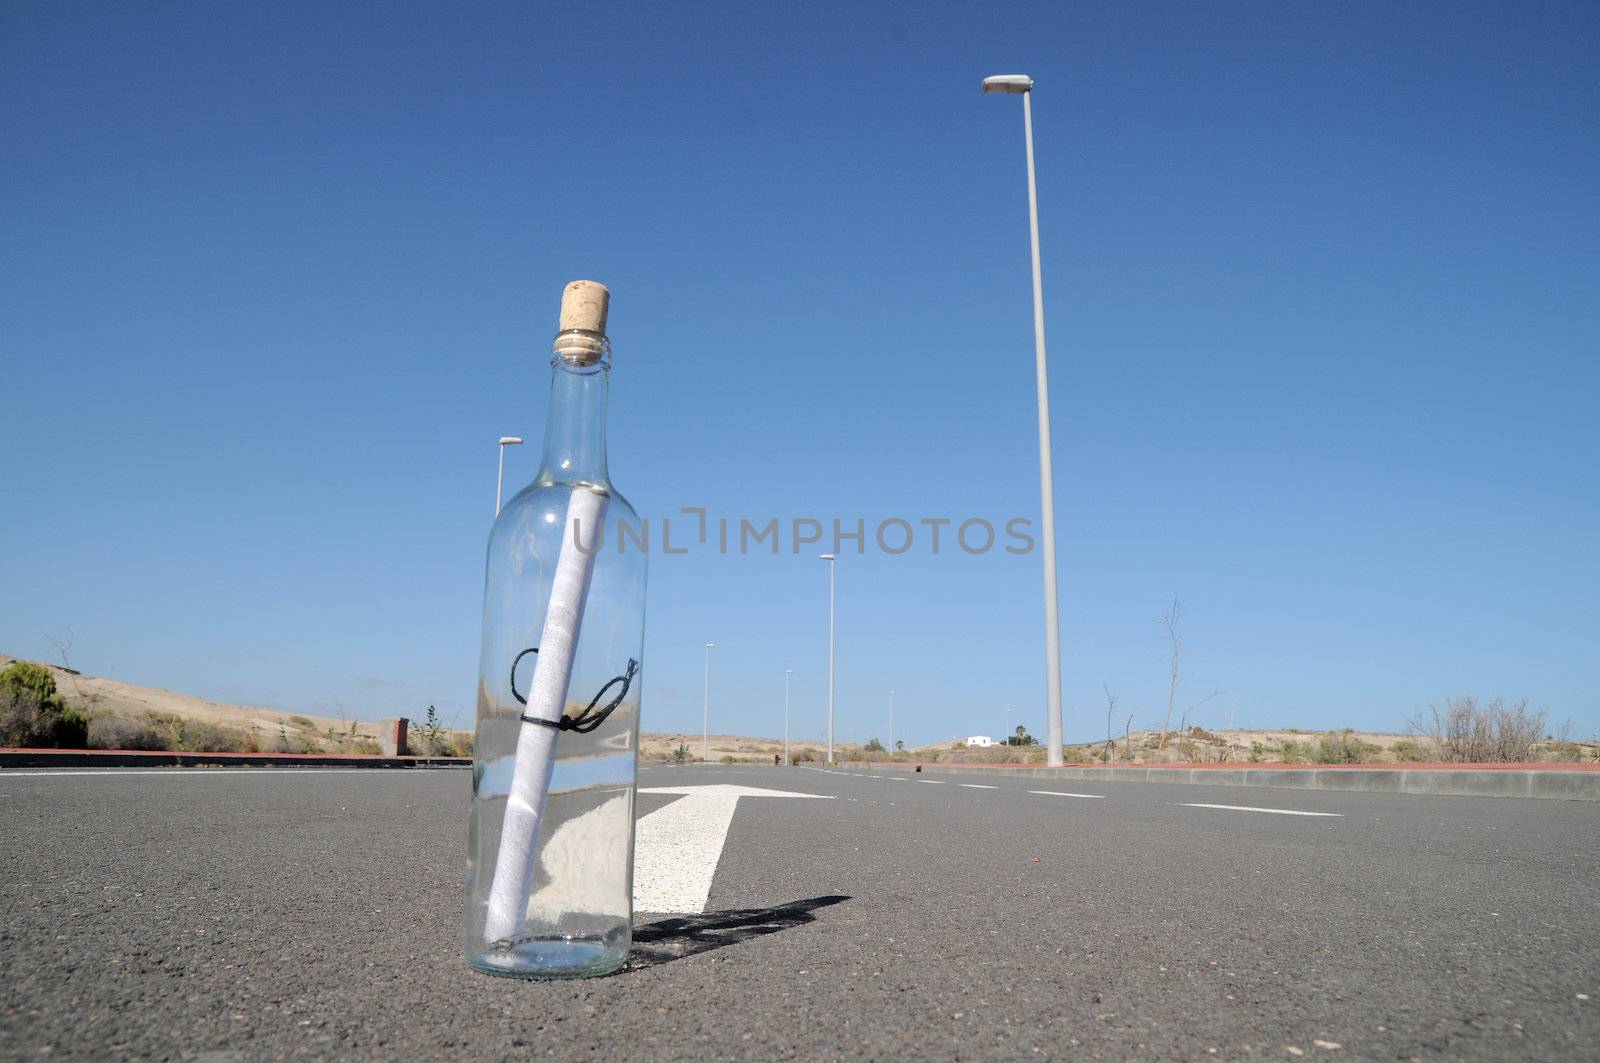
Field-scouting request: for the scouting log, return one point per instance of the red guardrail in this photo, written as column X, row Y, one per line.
column 27, row 757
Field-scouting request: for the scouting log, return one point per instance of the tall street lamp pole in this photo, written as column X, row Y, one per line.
column 500, row 480
column 891, row 723
column 705, row 734
column 788, row 674
column 1022, row 85
column 830, row 559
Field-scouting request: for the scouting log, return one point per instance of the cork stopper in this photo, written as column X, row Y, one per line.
column 583, row 306
column 582, row 339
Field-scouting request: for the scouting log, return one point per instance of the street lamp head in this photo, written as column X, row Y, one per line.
column 510, row 441
column 825, row 557
column 1008, row 83
column 711, row 645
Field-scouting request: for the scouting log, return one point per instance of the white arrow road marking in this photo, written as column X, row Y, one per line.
column 1252, row 808
column 676, row 848
column 1062, row 793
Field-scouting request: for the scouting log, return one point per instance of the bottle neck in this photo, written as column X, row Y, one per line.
column 575, row 427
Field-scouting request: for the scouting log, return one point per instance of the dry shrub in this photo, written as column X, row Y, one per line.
column 1464, row 732
column 283, row 742
column 198, row 736
column 118, row 732
column 1343, row 747
column 164, row 731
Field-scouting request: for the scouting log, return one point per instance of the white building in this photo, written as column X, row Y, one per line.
column 981, row 741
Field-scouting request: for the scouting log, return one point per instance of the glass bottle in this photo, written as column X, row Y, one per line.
column 550, row 858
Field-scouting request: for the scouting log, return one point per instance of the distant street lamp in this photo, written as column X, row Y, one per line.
column 830, row 559
column 891, row 723
column 500, row 480
column 705, row 735
column 788, row 674
column 1022, row 85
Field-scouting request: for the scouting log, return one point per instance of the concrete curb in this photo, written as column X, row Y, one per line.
column 1560, row 784
column 130, row 758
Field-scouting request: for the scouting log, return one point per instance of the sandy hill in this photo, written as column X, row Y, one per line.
column 99, row 696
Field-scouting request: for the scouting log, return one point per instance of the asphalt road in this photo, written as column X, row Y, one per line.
column 264, row 915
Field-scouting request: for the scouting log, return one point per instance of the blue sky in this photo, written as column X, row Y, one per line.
column 1320, row 292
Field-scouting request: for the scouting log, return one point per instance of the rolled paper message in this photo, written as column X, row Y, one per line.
column 547, row 699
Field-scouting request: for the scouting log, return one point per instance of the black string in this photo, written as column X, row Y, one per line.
column 584, row 722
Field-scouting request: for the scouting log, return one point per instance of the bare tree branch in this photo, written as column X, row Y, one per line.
column 1111, row 707
column 1169, row 624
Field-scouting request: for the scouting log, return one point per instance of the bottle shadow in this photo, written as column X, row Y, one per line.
column 689, row 935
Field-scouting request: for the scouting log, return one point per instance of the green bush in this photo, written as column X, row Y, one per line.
column 303, row 723
column 28, row 678
column 1343, row 747
column 729, row 758
column 1289, row 752
column 801, row 756
column 32, row 714
column 874, row 746
column 1405, row 751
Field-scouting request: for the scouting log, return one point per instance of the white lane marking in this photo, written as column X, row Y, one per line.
column 932, row 782
column 1252, row 808
column 874, row 776
column 203, row 772
column 977, row 786
column 895, row 778
column 676, row 848
column 1063, row 793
